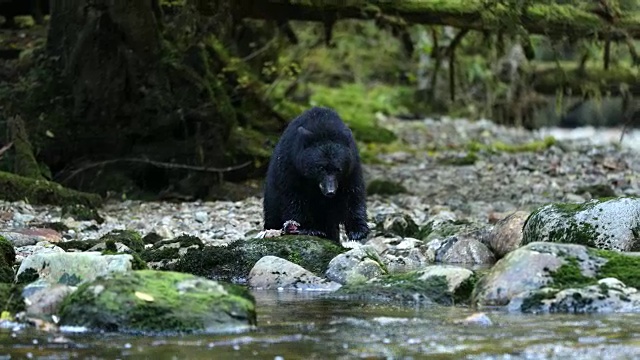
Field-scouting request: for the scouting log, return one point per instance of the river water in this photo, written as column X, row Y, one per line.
column 305, row 326
column 295, row 325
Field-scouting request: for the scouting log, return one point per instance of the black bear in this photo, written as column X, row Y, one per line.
column 315, row 179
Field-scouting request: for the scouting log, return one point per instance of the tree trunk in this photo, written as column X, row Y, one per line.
column 127, row 94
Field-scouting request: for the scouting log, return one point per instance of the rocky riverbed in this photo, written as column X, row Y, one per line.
column 449, row 208
column 501, row 180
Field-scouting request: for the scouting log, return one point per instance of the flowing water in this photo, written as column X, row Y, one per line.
column 305, row 326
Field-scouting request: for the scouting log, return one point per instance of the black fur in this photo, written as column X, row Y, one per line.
column 317, row 148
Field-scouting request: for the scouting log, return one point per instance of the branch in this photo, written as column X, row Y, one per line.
column 5, row 148
column 554, row 20
column 157, row 164
column 614, row 81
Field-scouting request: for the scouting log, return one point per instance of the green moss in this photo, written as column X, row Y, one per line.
column 463, row 292
column 625, row 268
column 16, row 188
column 151, row 238
column 28, row 276
column 7, row 258
column 7, row 251
column 24, row 161
column 136, row 263
column 369, row 151
column 569, row 275
column 406, row 287
column 500, row 147
column 11, row 298
column 469, row 159
column 154, row 301
column 234, row 261
column 358, row 105
column 130, row 238
column 385, row 187
column 590, row 231
column 534, row 302
column 401, row 225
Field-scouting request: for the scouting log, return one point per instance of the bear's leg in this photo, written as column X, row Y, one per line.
column 356, row 217
column 333, row 233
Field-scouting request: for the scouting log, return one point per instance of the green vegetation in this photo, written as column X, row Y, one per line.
column 358, row 105
column 7, row 258
column 16, row 188
column 623, row 267
column 469, row 159
column 154, row 301
column 500, row 147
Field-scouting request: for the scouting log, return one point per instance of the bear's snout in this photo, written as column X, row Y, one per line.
column 329, row 186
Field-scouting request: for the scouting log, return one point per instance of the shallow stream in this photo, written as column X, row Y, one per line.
column 305, row 326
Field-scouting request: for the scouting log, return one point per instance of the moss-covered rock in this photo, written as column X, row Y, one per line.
column 445, row 285
column 73, row 268
column 7, row 258
column 82, row 245
column 234, row 261
column 151, row 238
column 130, row 238
column 16, row 188
column 159, row 302
column 385, row 187
column 136, row 262
column 612, row 224
column 396, row 224
column 11, row 299
column 81, row 212
column 540, row 265
column 469, row 158
column 166, row 252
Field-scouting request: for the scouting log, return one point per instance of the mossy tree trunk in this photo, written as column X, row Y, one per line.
column 124, row 84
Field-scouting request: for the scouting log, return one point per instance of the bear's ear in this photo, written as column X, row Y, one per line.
column 304, row 132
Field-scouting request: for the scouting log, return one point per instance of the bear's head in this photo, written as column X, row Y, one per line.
column 325, row 160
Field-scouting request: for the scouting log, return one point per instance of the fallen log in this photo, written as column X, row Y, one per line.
column 553, row 20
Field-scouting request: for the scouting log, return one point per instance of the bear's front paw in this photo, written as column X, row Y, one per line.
column 357, row 235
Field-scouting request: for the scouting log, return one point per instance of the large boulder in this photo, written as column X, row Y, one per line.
column 611, row 224
column 158, row 301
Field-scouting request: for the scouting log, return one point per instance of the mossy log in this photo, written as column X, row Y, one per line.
column 615, row 81
column 537, row 18
column 15, row 188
